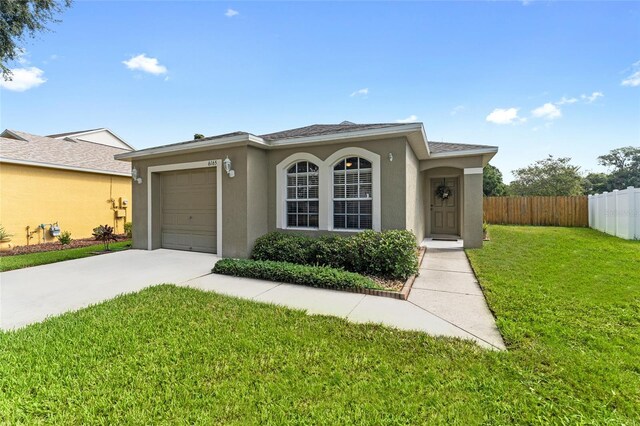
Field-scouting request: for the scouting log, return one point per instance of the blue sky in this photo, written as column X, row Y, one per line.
column 534, row 78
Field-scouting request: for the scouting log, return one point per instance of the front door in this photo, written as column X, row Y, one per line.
column 444, row 206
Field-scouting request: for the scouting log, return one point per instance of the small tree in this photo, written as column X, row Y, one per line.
column 105, row 234
column 492, row 183
column 198, row 136
column 550, row 177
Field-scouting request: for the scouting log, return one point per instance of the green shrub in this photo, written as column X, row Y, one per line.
column 388, row 254
column 281, row 247
column 314, row 276
column 65, row 238
column 128, row 229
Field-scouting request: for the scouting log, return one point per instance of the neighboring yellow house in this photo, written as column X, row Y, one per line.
column 69, row 179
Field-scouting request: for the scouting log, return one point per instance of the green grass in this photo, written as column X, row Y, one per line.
column 567, row 301
column 8, row 263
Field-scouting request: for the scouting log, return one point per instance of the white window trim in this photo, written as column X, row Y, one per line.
column 325, row 188
column 281, row 199
column 374, row 159
column 187, row 166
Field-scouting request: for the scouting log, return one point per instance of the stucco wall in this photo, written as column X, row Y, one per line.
column 78, row 201
column 470, row 212
column 392, row 185
column 415, row 202
column 234, row 199
column 472, row 231
column 257, row 195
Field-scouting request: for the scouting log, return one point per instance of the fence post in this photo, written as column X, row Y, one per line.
column 634, row 219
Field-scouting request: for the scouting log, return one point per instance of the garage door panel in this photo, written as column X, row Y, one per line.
column 189, row 210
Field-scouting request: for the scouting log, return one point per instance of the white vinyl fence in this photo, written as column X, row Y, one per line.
column 616, row 213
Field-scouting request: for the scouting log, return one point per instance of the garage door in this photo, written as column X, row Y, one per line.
column 189, row 210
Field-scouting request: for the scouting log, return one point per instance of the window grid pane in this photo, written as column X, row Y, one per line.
column 302, row 195
column 352, row 194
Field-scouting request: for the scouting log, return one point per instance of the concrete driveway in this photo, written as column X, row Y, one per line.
column 30, row 295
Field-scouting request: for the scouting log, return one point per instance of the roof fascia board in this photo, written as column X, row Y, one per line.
column 465, row 153
column 60, row 166
column 191, row 146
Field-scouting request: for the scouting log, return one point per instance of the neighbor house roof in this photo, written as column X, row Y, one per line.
column 323, row 133
column 86, row 135
column 25, row 148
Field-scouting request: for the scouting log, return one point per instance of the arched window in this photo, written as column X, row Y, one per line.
column 352, row 194
column 302, row 195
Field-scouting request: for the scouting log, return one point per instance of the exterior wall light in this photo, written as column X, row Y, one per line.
column 227, row 167
column 390, row 156
column 134, row 175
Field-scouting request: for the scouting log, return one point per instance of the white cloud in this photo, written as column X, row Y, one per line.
column 634, row 78
column 23, row 79
column 361, row 92
column 230, row 13
column 410, row 119
column 457, row 109
column 547, row 111
column 504, row 116
column 566, row 100
column 592, row 97
column 144, row 63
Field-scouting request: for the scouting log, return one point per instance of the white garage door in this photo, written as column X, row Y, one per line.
column 189, row 210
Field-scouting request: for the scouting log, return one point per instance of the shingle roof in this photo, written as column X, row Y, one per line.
column 323, row 129
column 440, row 147
column 63, row 152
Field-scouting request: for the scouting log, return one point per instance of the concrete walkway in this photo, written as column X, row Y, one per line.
column 445, row 301
column 448, row 289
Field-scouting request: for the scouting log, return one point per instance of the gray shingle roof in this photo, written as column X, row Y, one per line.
column 63, row 152
column 323, row 129
column 441, row 147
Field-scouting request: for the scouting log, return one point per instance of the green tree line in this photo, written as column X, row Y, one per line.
column 557, row 176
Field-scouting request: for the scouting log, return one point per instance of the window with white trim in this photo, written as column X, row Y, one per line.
column 352, row 194
column 302, row 195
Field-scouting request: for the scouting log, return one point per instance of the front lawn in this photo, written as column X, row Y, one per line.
column 567, row 302
column 7, row 263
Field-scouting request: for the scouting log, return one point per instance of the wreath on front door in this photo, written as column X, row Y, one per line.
column 443, row 192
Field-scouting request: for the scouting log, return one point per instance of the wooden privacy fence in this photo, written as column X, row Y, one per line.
column 543, row 211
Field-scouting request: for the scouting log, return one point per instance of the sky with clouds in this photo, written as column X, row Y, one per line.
column 534, row 78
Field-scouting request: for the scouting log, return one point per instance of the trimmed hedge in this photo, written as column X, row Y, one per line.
column 389, row 254
column 315, row 276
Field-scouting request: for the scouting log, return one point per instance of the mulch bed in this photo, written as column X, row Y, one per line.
column 38, row 248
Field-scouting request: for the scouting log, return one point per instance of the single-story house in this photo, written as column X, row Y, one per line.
column 218, row 194
column 69, row 179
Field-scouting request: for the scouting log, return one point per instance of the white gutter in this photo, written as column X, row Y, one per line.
column 465, row 153
column 61, row 167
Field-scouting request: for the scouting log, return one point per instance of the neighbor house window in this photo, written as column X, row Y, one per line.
column 302, row 195
column 352, row 194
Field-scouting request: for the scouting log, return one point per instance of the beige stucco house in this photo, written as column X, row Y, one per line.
column 220, row 193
